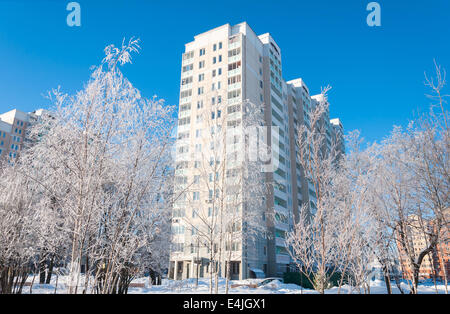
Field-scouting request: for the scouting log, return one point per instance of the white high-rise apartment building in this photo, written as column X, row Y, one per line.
column 221, row 69
column 13, row 131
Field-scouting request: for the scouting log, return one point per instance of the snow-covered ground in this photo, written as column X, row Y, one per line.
column 275, row 287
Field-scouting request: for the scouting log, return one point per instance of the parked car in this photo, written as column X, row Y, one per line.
column 269, row 280
column 257, row 284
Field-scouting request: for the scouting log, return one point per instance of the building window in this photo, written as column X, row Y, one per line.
column 183, row 149
column 233, row 109
column 188, row 68
column 235, row 268
column 214, row 47
column 234, row 94
column 177, row 229
column 214, row 60
column 234, row 66
column 196, row 179
column 178, row 247
column 201, row 64
column 185, row 107
column 202, row 51
column 220, row 45
column 186, row 93
column 234, row 79
column 183, row 135
column 186, row 81
column 178, row 212
column 196, row 196
column 234, row 52
column 188, row 55
column 184, row 121
column 234, row 123
column 201, row 77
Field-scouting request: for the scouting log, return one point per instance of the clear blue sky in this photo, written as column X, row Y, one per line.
column 376, row 74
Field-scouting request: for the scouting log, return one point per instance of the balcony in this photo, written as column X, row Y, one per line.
column 234, row 45
column 235, row 100
column 279, row 193
column 186, row 86
column 234, row 58
column 184, row 114
column 281, row 209
column 234, row 86
column 235, row 72
column 185, row 100
column 187, row 61
column 187, row 73
column 281, row 226
column 283, row 259
column 280, row 242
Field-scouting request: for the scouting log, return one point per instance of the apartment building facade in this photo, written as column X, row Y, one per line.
column 436, row 264
column 223, row 69
column 13, row 131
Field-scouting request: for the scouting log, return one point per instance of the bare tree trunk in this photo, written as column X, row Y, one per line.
column 42, row 273
column 50, row 269
column 56, row 284
column 227, row 274
column 32, row 283
column 387, row 278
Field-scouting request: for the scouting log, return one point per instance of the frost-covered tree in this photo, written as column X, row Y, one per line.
column 314, row 239
column 100, row 164
column 355, row 226
column 413, row 183
column 17, row 229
